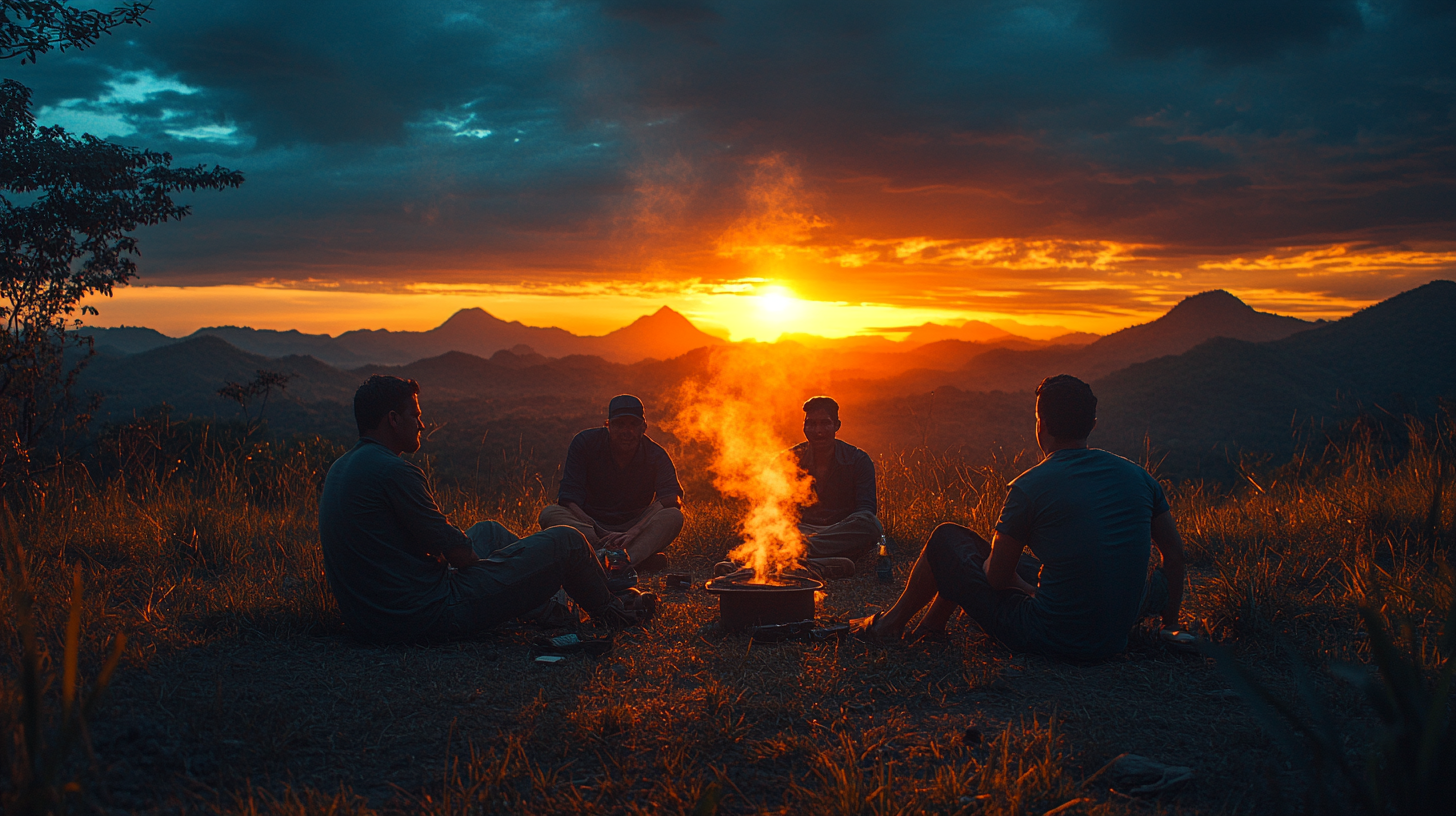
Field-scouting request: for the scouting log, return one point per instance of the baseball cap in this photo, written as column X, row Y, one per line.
column 623, row 405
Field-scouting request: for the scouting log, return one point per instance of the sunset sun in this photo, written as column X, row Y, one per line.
column 778, row 303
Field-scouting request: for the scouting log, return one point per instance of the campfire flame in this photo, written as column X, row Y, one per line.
column 734, row 411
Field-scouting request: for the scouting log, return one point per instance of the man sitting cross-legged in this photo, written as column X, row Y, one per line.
column 620, row 489
column 1088, row 516
column 840, row 524
column 402, row 572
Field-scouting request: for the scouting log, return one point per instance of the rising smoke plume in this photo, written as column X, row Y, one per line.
column 734, row 410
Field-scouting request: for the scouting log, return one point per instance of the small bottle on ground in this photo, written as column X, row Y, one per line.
column 883, row 568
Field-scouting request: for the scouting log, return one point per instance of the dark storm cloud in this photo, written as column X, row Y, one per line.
column 1227, row 29
column 506, row 135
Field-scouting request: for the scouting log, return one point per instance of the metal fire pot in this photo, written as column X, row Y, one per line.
column 741, row 604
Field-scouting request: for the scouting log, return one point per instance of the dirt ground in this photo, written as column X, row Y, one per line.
column 673, row 708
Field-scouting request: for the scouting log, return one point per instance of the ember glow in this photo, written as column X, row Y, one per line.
column 733, row 409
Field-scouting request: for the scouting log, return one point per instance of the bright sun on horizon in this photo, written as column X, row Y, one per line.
column 778, row 302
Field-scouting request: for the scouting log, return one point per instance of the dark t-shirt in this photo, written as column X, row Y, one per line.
column 380, row 530
column 610, row 494
column 848, row 487
column 1087, row 515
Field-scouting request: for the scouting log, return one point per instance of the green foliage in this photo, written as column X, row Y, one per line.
column 68, row 210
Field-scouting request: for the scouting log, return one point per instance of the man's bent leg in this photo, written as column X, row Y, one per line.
column 659, row 531
column 956, row 556
column 520, row 577
column 554, row 515
column 855, row 535
column 489, row 536
column 919, row 591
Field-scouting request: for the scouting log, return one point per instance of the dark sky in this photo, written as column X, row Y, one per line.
column 1043, row 157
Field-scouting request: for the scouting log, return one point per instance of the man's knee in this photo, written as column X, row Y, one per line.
column 567, row 541
column 869, row 521
column 550, row 516
column 945, row 536
column 485, row 529
column 670, row 519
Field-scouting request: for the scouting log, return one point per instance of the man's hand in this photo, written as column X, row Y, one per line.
column 619, row 541
column 1000, row 566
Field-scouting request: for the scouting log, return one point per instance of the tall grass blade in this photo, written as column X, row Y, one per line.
column 73, row 647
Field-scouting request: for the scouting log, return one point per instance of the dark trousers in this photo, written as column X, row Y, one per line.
column 956, row 556
column 518, row 575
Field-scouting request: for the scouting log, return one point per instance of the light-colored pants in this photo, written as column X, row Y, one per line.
column 851, row 537
column 661, row 530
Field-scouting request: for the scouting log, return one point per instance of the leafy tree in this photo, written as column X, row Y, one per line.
column 260, row 386
column 68, row 208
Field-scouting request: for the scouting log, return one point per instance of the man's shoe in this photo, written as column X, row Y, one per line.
column 830, row 568
column 643, row 602
column 657, row 562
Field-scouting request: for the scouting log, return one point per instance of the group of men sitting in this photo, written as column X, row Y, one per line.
column 402, row 572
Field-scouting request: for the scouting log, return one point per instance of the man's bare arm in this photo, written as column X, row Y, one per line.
column 1170, row 545
column 1001, row 565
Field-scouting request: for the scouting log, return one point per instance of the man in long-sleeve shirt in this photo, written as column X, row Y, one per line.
column 618, row 487
column 842, row 521
column 402, row 572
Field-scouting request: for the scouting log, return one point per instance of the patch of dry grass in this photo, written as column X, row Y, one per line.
column 242, row 694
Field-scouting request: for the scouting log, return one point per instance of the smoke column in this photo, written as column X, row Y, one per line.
column 733, row 410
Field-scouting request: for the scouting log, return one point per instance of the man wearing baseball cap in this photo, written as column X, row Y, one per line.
column 620, row 489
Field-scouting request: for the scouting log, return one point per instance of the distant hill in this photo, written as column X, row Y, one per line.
column 187, row 374
column 127, row 339
column 661, row 335
column 1237, row 394
column 1194, row 320
column 973, row 331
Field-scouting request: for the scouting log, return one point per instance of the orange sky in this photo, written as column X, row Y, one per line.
column 784, row 265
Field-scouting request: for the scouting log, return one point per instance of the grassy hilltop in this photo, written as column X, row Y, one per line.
column 239, row 692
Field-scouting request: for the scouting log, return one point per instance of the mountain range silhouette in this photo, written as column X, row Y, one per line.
column 1210, row 375
column 662, row 334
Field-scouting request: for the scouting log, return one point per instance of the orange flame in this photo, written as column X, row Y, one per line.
column 734, row 410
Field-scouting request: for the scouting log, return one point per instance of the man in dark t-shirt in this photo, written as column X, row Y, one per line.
column 402, row 572
column 1088, row 517
column 618, row 487
column 841, row 522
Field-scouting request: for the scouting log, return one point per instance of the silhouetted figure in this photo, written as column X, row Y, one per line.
column 620, row 489
column 1088, row 516
column 402, row 572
